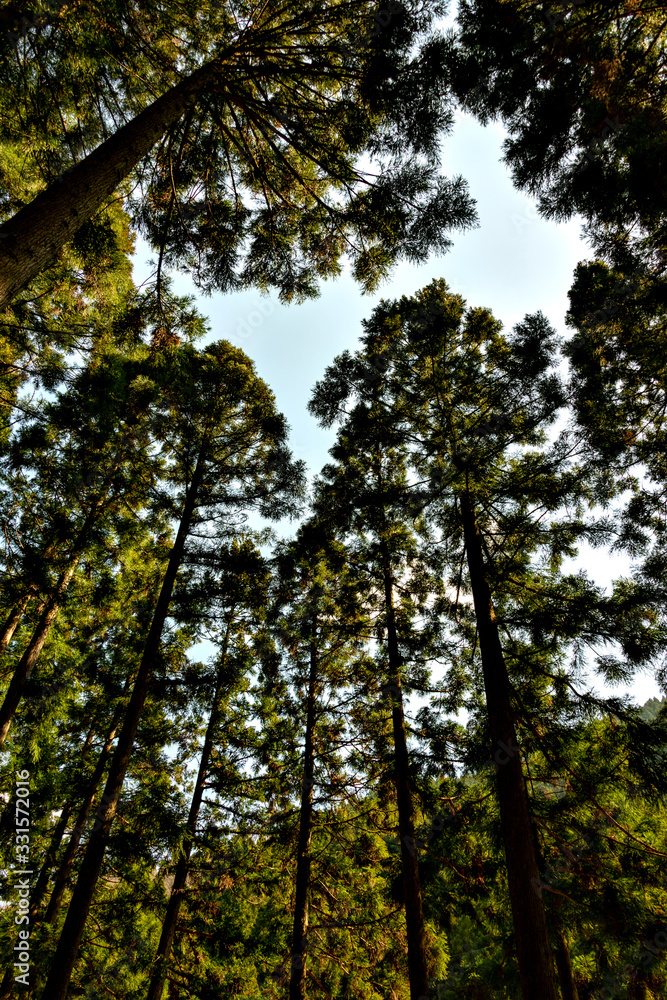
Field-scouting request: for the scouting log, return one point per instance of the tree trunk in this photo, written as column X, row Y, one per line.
column 161, row 960
column 64, row 871
column 414, row 915
column 70, row 937
column 17, row 611
column 12, row 621
column 45, row 871
column 54, row 845
column 31, row 654
column 49, row 614
column 536, row 965
column 568, row 987
column 297, row 985
column 32, row 238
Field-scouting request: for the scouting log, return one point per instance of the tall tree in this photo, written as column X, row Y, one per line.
column 319, row 624
column 581, row 89
column 224, row 445
column 361, row 497
column 257, row 178
column 462, row 396
column 237, row 596
column 95, row 428
column 618, row 386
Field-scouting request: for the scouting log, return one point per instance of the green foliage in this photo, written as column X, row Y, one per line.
column 581, row 89
column 318, row 139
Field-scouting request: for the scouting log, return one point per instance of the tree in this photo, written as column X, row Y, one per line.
column 319, row 624
column 241, row 592
column 462, row 396
column 64, row 729
column 217, row 424
column 361, row 497
column 308, row 94
column 87, row 429
column 618, row 394
column 581, row 89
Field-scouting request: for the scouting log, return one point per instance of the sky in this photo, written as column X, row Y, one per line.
column 514, row 263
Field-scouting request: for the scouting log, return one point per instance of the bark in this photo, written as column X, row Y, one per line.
column 12, row 621
column 414, row 913
column 535, row 959
column 568, row 987
column 15, row 615
column 45, row 871
column 65, row 868
column 33, row 237
column 161, row 961
column 31, row 654
column 302, row 886
column 70, row 937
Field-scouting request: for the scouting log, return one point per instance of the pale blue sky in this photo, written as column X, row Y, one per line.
column 514, row 263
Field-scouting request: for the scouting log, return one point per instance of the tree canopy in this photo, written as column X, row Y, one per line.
column 389, row 750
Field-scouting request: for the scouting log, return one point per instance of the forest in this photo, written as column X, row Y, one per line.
column 365, row 734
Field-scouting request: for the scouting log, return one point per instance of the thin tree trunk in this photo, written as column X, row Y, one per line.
column 535, row 959
column 70, row 937
column 49, row 614
column 161, row 960
column 54, row 845
column 414, row 913
column 568, row 987
column 65, row 869
column 31, row 654
column 17, row 611
column 33, row 237
column 12, row 621
column 302, row 886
